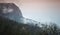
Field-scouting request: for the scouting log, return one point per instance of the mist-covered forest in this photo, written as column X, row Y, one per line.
column 10, row 27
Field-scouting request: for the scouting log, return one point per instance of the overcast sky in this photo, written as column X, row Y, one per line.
column 42, row 11
column 39, row 10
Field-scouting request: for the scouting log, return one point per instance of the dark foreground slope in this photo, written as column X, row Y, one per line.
column 10, row 27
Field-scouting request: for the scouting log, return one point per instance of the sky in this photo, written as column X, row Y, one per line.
column 39, row 10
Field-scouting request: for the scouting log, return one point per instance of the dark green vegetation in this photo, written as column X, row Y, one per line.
column 10, row 27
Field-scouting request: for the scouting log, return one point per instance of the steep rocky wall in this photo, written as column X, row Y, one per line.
column 17, row 2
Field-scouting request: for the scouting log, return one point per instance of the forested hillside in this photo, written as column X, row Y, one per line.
column 10, row 27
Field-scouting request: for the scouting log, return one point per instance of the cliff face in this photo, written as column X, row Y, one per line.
column 17, row 2
column 10, row 10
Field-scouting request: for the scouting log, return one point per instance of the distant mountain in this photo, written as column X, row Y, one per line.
column 10, row 10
